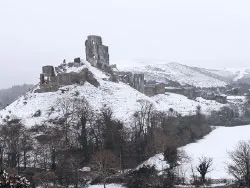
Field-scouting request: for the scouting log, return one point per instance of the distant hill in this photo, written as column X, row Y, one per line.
column 187, row 75
column 9, row 95
column 182, row 74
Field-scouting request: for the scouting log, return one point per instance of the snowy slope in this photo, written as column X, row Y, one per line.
column 215, row 145
column 183, row 105
column 185, row 75
column 120, row 97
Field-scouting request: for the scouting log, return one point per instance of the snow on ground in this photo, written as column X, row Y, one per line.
column 98, row 73
column 183, row 105
column 107, row 186
column 236, row 99
column 215, row 145
column 157, row 161
column 180, row 73
column 120, row 97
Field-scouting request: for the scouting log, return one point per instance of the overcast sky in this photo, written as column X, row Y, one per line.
column 205, row 33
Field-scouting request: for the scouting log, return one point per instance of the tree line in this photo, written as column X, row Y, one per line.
column 83, row 137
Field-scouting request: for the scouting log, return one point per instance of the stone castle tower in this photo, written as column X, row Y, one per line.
column 96, row 53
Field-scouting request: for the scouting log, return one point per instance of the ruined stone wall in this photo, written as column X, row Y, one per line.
column 138, row 82
column 149, row 90
column 160, row 88
column 71, row 78
column 51, row 82
column 48, row 71
column 125, row 77
column 189, row 92
column 64, row 79
column 134, row 80
column 103, row 52
column 221, row 99
column 51, row 87
column 154, row 89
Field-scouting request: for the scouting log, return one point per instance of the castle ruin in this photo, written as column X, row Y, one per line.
column 97, row 55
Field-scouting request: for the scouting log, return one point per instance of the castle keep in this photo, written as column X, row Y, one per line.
column 96, row 53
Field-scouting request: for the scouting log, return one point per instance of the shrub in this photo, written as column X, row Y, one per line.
column 37, row 113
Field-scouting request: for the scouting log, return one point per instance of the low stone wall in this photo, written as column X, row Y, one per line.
column 52, row 84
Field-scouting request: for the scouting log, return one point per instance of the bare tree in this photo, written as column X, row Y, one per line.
column 142, row 120
column 105, row 160
column 11, row 134
column 143, row 115
column 240, row 163
column 25, row 147
column 174, row 157
column 204, row 166
column 68, row 107
column 85, row 117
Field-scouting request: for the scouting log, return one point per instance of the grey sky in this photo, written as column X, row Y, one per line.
column 206, row 33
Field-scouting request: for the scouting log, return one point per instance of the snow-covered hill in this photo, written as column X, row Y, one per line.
column 184, row 75
column 187, row 75
column 120, row 97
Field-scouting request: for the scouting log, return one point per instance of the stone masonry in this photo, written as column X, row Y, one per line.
column 96, row 53
column 134, row 80
column 50, row 82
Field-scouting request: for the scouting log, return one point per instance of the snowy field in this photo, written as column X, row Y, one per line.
column 215, row 145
